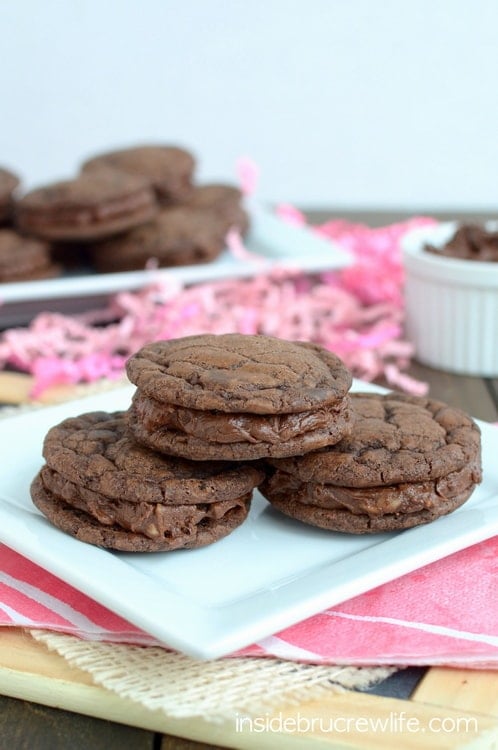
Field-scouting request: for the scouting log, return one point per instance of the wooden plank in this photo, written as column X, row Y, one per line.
column 20, row 652
column 37, row 727
column 471, row 394
column 15, row 389
column 492, row 384
column 177, row 743
column 466, row 689
column 382, row 217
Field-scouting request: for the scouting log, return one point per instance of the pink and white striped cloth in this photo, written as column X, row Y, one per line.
column 445, row 613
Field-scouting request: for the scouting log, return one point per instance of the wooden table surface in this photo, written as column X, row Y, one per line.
column 33, row 726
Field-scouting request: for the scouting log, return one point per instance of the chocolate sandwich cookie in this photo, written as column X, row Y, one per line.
column 177, row 236
column 407, row 461
column 225, row 201
column 237, row 397
column 94, row 205
column 102, row 487
column 8, row 184
column 24, row 258
column 168, row 169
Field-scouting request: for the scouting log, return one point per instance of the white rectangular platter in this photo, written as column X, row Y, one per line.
column 275, row 241
column 265, row 576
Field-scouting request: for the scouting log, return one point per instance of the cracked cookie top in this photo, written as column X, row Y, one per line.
column 395, row 438
column 240, row 373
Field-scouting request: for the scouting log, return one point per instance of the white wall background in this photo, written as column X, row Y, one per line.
column 346, row 103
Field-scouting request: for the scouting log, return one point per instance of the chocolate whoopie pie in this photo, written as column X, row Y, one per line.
column 225, row 201
column 407, row 461
column 92, row 206
column 8, row 184
column 101, row 486
column 169, row 169
column 237, row 397
column 177, row 236
column 24, row 258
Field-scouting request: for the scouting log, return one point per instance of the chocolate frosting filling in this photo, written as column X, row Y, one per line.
column 216, row 427
column 150, row 519
column 407, row 497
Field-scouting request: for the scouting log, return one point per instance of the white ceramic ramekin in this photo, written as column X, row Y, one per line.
column 451, row 305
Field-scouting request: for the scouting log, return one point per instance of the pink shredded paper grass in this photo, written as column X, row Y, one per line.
column 356, row 312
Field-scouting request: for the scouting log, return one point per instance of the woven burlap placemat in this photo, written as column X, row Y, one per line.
column 216, row 690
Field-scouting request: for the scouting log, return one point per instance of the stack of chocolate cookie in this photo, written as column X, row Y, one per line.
column 407, row 461
column 237, row 397
column 124, row 209
column 215, row 416
column 101, row 486
column 21, row 258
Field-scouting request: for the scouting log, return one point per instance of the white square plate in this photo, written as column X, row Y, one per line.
column 268, row 574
